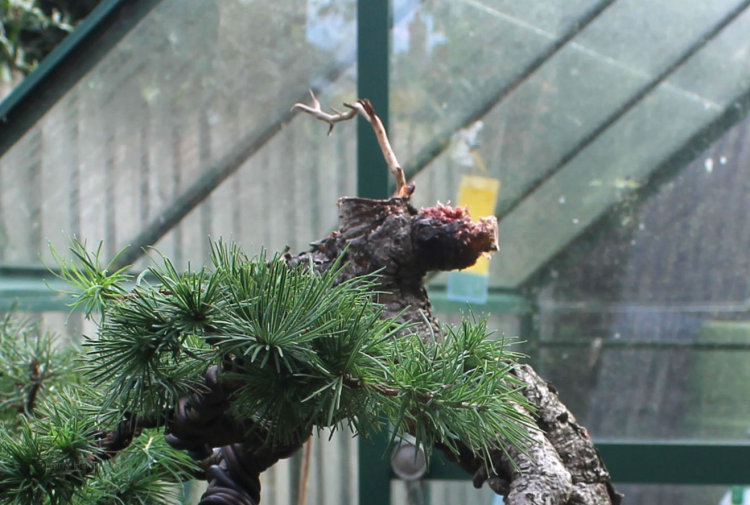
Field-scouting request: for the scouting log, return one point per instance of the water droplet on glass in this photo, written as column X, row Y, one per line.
column 575, row 220
column 723, row 160
column 562, row 199
column 709, row 165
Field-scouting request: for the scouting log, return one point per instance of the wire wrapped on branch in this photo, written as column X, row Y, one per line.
column 232, row 454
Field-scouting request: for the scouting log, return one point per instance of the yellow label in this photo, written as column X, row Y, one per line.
column 479, row 194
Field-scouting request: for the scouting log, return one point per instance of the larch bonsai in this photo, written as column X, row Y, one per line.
column 218, row 373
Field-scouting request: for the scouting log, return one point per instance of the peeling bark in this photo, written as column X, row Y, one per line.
column 562, row 466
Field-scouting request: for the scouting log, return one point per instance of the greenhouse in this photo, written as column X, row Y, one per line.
column 607, row 140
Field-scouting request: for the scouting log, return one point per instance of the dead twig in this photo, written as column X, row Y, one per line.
column 317, row 112
column 364, row 107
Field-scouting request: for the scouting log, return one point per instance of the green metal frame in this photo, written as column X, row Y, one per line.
column 373, row 53
column 32, row 289
column 107, row 24
column 499, row 301
column 654, row 462
column 374, row 19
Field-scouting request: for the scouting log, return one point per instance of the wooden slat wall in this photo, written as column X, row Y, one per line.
column 130, row 137
column 135, row 133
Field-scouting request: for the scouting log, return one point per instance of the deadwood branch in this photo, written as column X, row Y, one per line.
column 366, row 110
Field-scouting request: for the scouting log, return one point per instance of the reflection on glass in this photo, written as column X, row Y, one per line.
column 137, row 151
column 617, row 130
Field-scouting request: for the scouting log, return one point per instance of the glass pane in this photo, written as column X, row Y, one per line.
column 564, row 123
column 141, row 140
column 655, row 304
column 618, row 133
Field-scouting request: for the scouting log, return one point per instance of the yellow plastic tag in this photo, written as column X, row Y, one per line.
column 479, row 194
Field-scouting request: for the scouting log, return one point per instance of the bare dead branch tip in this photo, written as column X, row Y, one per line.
column 317, row 112
column 364, row 107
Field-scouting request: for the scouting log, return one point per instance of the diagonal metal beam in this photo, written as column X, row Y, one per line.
column 442, row 141
column 209, row 180
column 736, row 110
column 199, row 190
column 698, row 44
column 78, row 53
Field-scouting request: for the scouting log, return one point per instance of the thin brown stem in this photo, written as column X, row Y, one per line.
column 36, row 384
column 364, row 107
column 304, row 472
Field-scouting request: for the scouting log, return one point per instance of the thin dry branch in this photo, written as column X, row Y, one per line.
column 317, row 112
column 364, row 107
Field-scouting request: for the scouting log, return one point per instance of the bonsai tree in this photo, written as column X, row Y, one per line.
column 218, row 373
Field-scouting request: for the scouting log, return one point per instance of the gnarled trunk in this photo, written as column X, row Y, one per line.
column 562, row 466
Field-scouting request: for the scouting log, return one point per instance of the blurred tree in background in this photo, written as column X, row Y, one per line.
column 30, row 29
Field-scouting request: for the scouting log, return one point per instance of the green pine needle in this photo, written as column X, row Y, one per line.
column 94, row 284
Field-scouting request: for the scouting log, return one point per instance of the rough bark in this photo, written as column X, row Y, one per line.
column 562, row 466
column 402, row 244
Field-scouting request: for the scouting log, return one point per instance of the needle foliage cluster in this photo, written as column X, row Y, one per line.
column 49, row 418
column 299, row 350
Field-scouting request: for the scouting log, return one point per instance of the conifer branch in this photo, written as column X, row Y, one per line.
column 250, row 355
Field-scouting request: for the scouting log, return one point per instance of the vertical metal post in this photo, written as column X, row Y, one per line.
column 374, row 471
column 529, row 331
column 373, row 53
